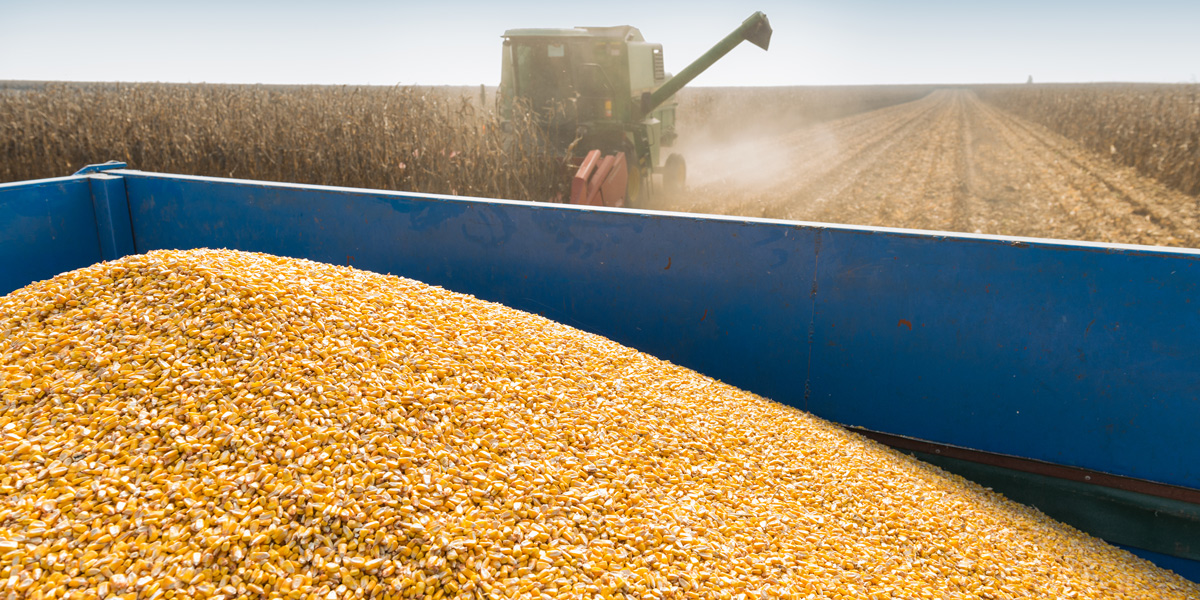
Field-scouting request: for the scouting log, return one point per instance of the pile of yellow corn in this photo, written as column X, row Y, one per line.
column 217, row 424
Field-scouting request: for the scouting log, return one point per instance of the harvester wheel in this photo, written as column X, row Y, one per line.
column 674, row 174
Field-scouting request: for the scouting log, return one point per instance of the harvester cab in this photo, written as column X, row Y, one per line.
column 607, row 103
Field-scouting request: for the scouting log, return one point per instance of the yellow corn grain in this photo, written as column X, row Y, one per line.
column 223, row 424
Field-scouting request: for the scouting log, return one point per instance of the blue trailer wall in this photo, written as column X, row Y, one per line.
column 1077, row 354
column 1084, row 356
column 46, row 227
column 1074, row 354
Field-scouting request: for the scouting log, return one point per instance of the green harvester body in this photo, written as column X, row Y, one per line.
column 605, row 88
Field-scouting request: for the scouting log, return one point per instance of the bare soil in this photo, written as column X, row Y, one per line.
column 946, row 162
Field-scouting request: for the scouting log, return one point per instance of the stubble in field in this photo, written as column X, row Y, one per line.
column 945, row 162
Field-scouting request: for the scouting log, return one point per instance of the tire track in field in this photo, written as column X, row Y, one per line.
column 1003, row 195
column 964, row 219
column 906, row 183
column 920, row 180
column 946, row 162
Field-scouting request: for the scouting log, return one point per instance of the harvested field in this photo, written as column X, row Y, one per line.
column 945, row 162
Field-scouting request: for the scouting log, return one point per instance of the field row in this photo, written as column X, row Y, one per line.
column 946, row 162
column 1153, row 128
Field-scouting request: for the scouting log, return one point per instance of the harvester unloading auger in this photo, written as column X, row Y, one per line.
column 608, row 102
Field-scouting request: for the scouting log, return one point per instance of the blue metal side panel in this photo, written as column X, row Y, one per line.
column 46, row 227
column 1075, row 355
column 112, row 215
column 730, row 299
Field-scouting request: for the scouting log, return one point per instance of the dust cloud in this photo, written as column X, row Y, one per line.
column 752, row 161
column 728, row 166
column 748, row 149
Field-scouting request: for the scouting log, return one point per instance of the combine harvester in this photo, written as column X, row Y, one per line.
column 604, row 97
column 1062, row 374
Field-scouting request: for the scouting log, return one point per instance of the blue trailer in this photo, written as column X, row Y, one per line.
column 1063, row 374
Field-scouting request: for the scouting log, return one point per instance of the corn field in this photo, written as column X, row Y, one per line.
column 449, row 140
column 435, row 140
column 1153, row 128
column 400, row 138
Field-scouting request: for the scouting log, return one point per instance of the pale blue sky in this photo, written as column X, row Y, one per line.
column 385, row 43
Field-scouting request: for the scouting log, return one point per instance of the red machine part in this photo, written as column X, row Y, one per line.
column 601, row 180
